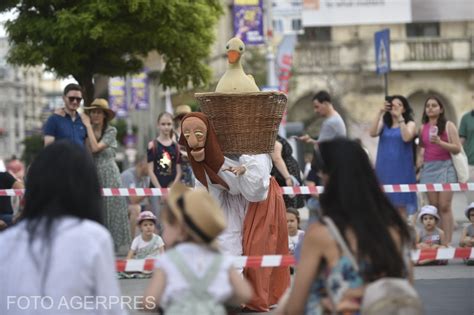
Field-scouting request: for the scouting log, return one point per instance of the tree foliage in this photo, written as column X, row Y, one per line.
column 33, row 146
column 255, row 64
column 84, row 38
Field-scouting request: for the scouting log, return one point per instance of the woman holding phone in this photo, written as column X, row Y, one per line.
column 395, row 162
column 438, row 139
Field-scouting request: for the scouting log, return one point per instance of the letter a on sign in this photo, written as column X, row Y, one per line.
column 382, row 51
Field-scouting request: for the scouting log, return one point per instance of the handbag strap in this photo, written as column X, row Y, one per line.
column 447, row 132
column 338, row 237
column 449, row 140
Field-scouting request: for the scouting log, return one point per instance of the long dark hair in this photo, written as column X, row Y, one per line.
column 61, row 181
column 441, row 122
column 354, row 200
column 407, row 115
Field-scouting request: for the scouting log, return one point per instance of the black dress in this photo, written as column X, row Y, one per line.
column 294, row 170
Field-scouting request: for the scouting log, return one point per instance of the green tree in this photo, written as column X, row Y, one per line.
column 255, row 64
column 33, row 146
column 84, row 38
column 121, row 126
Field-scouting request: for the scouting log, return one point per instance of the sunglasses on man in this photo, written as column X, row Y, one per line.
column 73, row 98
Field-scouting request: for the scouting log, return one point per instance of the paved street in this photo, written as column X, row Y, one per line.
column 447, row 296
column 444, row 289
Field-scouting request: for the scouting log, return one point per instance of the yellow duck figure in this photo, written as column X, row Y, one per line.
column 234, row 79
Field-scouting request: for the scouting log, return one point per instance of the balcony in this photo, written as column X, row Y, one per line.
column 327, row 56
column 432, row 53
column 406, row 54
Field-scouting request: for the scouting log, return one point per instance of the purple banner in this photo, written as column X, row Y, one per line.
column 117, row 96
column 140, row 97
column 248, row 21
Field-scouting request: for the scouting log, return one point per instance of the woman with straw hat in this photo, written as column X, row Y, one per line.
column 102, row 142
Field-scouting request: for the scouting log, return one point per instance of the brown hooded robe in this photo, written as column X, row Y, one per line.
column 265, row 228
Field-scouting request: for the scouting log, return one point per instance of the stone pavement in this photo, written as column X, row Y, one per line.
column 444, row 289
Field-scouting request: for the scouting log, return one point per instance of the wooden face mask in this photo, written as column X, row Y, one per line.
column 195, row 132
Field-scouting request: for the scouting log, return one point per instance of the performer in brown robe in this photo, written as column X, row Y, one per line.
column 251, row 200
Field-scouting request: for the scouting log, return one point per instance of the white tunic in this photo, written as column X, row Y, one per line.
column 78, row 276
column 198, row 258
column 252, row 186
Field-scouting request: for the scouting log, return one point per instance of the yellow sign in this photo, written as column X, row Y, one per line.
column 246, row 2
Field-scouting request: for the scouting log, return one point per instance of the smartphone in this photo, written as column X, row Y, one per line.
column 389, row 100
column 433, row 131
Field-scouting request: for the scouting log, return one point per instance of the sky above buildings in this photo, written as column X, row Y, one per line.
column 9, row 15
column 3, row 18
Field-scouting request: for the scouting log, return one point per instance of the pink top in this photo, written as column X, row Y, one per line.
column 433, row 152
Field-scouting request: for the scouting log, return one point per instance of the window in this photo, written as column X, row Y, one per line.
column 297, row 3
column 318, row 34
column 422, row 29
column 296, row 24
column 278, row 26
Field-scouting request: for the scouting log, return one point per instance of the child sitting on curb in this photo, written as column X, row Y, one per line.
column 430, row 236
column 467, row 235
column 193, row 277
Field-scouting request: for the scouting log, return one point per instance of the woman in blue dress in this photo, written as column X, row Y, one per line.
column 395, row 163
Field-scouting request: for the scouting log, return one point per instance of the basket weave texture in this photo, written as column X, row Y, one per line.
column 245, row 123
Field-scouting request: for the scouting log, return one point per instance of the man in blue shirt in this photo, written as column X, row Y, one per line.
column 67, row 123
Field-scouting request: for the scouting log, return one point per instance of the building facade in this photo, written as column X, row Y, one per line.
column 286, row 16
column 431, row 49
column 21, row 102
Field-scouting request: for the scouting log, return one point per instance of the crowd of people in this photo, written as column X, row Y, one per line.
column 401, row 160
column 220, row 206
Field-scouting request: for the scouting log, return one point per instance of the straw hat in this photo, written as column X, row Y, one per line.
column 146, row 215
column 431, row 210
column 466, row 212
column 198, row 211
column 182, row 110
column 100, row 103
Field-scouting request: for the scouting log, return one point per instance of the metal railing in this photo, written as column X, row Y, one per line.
column 317, row 56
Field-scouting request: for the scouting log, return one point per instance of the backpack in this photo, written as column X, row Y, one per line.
column 387, row 296
column 196, row 300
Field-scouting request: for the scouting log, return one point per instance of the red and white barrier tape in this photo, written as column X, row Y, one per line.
column 139, row 265
column 443, row 254
column 301, row 190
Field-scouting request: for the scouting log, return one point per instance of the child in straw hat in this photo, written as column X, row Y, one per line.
column 193, row 277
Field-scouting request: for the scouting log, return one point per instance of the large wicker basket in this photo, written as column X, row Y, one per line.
column 245, row 123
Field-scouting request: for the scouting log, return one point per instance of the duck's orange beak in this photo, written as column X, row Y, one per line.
column 233, row 56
